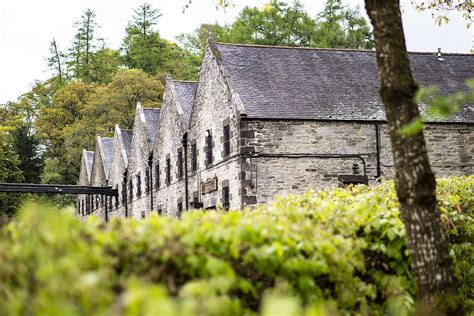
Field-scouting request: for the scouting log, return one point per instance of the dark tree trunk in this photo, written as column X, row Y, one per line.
column 415, row 182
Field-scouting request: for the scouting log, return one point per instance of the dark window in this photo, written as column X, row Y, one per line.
column 157, row 175
column 193, row 157
column 147, row 180
column 225, row 198
column 124, row 192
column 143, row 214
column 226, row 140
column 180, row 164
column 180, row 208
column 168, row 169
column 130, row 189
column 208, row 147
column 116, row 197
column 160, row 211
column 110, row 203
column 139, row 184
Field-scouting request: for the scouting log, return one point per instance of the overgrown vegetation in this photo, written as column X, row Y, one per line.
column 340, row 251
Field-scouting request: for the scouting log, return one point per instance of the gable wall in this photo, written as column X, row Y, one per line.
column 168, row 141
column 138, row 162
column 215, row 106
column 116, row 177
column 81, row 200
column 98, row 178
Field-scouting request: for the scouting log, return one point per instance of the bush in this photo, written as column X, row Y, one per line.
column 340, row 251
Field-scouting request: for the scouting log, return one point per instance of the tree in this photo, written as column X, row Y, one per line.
column 83, row 46
column 440, row 7
column 415, row 182
column 26, row 146
column 55, row 61
column 142, row 46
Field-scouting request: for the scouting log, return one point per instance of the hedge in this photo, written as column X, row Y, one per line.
column 339, row 251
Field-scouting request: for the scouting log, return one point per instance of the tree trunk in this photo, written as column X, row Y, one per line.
column 415, row 182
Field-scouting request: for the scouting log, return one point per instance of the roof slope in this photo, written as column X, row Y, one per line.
column 299, row 83
column 152, row 116
column 127, row 140
column 89, row 161
column 186, row 91
column 106, row 146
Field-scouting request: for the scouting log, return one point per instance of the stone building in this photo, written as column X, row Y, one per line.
column 264, row 121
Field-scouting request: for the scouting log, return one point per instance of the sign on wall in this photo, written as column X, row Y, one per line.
column 209, row 186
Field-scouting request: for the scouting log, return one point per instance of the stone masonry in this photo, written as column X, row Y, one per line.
column 265, row 121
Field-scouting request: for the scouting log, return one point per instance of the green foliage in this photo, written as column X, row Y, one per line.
column 278, row 23
column 437, row 106
column 340, row 251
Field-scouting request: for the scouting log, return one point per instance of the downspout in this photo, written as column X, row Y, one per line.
column 125, row 192
column 184, row 142
column 377, row 150
column 150, row 185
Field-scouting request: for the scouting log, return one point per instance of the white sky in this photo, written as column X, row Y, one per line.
column 27, row 27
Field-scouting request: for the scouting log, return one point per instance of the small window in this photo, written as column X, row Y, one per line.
column 168, row 171
column 208, row 147
column 124, row 192
column 143, row 214
column 160, row 211
column 180, row 208
column 111, row 207
column 226, row 140
column 139, row 184
column 147, row 180
column 157, row 175
column 180, row 164
column 193, row 157
column 116, row 197
column 225, row 198
column 130, row 190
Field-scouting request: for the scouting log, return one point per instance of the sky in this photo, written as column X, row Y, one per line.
column 27, row 27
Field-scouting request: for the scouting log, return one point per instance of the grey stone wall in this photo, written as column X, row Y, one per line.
column 302, row 155
column 98, row 178
column 82, row 200
column 216, row 105
column 119, row 166
column 450, row 149
column 137, row 165
column 168, row 142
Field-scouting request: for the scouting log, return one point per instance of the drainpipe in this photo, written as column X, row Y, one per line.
column 377, row 149
column 125, row 192
column 150, row 178
column 184, row 142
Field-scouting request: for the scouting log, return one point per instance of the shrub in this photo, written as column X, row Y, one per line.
column 339, row 251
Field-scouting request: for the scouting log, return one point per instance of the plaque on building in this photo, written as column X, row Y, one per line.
column 209, row 186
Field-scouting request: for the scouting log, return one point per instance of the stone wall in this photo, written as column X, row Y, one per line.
column 98, row 178
column 216, row 105
column 168, row 143
column 138, row 204
column 119, row 166
column 450, row 149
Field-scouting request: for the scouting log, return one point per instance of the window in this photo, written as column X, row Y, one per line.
column 160, row 211
column 147, row 180
column 180, row 208
column 116, row 197
column 157, row 175
column 139, row 184
column 168, row 170
column 124, row 192
column 193, row 157
column 208, row 147
column 110, row 203
column 143, row 214
column 130, row 189
column 226, row 140
column 225, row 198
column 180, row 164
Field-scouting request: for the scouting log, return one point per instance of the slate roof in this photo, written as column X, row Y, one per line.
column 89, row 161
column 106, row 145
column 152, row 116
column 303, row 83
column 186, row 91
column 127, row 140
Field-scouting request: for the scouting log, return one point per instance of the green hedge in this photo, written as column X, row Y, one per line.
column 332, row 252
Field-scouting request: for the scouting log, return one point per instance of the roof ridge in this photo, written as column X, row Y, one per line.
column 185, row 81
column 332, row 49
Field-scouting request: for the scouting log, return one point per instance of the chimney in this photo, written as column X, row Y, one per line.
column 439, row 55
